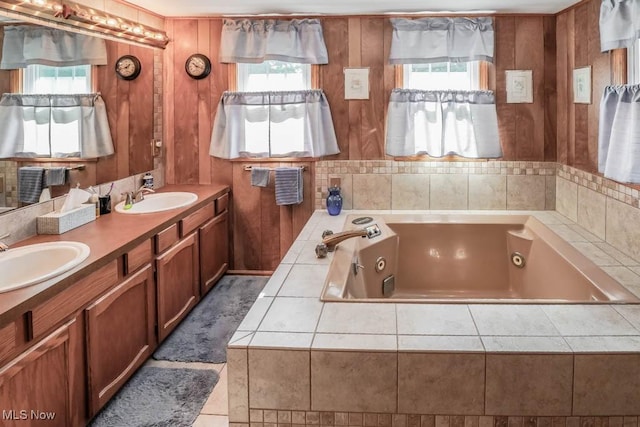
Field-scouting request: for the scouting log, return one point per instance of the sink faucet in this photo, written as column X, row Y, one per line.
column 138, row 195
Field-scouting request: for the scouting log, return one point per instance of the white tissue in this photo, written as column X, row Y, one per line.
column 75, row 198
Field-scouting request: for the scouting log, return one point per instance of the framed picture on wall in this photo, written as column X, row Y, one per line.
column 519, row 86
column 582, row 85
column 356, row 83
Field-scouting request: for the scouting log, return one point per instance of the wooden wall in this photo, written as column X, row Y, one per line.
column 578, row 39
column 263, row 231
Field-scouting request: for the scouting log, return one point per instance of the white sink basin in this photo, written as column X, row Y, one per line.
column 28, row 265
column 158, row 202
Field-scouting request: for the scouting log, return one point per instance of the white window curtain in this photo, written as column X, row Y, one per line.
column 24, row 45
column 273, row 124
column 619, row 23
column 619, row 133
column 431, row 40
column 54, row 126
column 440, row 123
column 254, row 41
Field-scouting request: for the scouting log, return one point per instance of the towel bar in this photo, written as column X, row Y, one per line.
column 248, row 168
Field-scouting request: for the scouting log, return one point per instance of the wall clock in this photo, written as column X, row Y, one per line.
column 128, row 67
column 198, row 66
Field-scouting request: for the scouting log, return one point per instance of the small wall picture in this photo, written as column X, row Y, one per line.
column 519, row 86
column 582, row 85
column 356, row 83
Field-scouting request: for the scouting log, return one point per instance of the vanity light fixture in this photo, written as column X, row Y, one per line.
column 65, row 13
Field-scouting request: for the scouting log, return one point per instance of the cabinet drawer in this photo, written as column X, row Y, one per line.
column 196, row 219
column 137, row 257
column 222, row 203
column 166, row 238
column 8, row 339
column 56, row 309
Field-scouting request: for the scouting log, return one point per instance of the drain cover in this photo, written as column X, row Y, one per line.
column 362, row 220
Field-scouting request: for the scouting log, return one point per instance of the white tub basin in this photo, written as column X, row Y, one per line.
column 158, row 202
column 28, row 265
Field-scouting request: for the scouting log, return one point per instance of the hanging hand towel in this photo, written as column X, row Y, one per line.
column 30, row 179
column 55, row 176
column 260, row 176
column 288, row 186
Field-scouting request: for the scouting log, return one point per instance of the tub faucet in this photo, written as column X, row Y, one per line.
column 3, row 247
column 333, row 239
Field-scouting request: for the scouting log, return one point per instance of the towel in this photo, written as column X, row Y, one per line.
column 30, row 180
column 55, row 176
column 260, row 176
column 288, row 186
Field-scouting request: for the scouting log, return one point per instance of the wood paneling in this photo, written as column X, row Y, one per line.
column 262, row 231
column 578, row 42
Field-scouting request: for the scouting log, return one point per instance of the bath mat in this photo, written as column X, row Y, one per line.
column 203, row 335
column 159, row 397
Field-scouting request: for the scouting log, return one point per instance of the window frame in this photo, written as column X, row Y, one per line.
column 28, row 79
column 483, row 72
column 242, row 74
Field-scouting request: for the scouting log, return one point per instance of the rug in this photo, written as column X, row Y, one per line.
column 203, row 335
column 159, row 397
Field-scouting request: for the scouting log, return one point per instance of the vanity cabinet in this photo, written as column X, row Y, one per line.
column 40, row 386
column 214, row 251
column 120, row 333
column 178, row 282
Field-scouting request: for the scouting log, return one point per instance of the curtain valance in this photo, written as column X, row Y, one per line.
column 619, row 23
column 440, row 123
column 24, row 45
column 619, row 133
column 430, row 40
column 273, row 124
column 54, row 126
column 254, row 41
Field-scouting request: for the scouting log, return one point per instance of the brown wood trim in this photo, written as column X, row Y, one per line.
column 166, row 238
column 251, row 272
column 399, row 76
column 16, row 80
column 618, row 64
column 573, row 6
column 232, row 73
column 315, row 76
column 483, row 75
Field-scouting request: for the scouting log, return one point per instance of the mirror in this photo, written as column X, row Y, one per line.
column 130, row 110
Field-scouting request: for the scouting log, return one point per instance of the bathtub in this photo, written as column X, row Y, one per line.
column 464, row 258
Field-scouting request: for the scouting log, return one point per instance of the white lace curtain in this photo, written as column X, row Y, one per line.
column 432, row 40
column 440, row 123
column 619, row 133
column 25, row 44
column 254, row 41
column 54, row 126
column 619, row 23
column 273, row 124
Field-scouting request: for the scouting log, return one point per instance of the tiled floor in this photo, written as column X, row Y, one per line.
column 214, row 413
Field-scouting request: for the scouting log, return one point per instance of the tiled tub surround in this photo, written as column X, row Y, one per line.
column 390, row 184
column 297, row 360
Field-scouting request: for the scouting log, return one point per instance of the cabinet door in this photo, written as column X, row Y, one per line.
column 178, row 281
column 39, row 386
column 120, row 335
column 214, row 251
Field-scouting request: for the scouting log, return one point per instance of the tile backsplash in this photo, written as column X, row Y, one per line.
column 388, row 184
column 20, row 224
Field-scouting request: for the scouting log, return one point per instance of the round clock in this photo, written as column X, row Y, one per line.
column 128, row 67
column 198, row 66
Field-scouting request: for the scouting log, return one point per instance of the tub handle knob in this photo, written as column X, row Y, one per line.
column 321, row 250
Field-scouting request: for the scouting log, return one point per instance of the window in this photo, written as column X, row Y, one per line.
column 54, row 132
column 276, row 127
column 442, row 76
column 273, row 76
column 57, row 80
column 633, row 63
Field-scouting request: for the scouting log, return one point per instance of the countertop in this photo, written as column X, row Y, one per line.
column 108, row 237
column 290, row 315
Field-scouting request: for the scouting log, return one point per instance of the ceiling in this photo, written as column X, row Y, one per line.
column 173, row 8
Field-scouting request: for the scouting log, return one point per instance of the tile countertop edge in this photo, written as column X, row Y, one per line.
column 105, row 244
column 320, row 220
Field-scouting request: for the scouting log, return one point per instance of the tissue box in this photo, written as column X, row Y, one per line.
column 58, row 223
